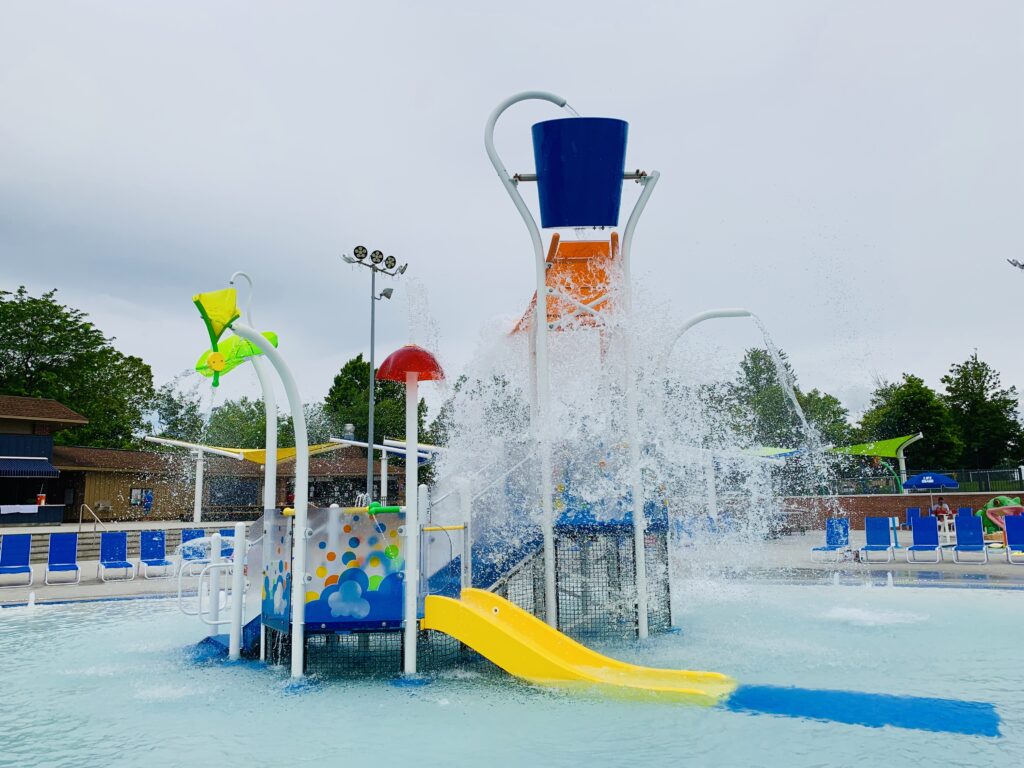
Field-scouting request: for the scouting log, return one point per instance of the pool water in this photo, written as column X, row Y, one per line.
column 111, row 683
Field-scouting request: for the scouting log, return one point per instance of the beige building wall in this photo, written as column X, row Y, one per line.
column 109, row 495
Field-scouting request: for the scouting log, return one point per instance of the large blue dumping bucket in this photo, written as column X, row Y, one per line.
column 580, row 161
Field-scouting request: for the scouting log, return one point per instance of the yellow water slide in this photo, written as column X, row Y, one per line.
column 526, row 647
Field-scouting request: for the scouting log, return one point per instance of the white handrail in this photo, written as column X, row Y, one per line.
column 95, row 518
column 211, row 568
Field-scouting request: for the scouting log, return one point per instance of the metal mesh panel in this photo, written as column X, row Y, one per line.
column 595, row 575
column 659, row 594
column 596, row 593
column 365, row 654
column 524, row 585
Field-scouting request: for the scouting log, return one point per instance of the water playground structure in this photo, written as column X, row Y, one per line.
column 416, row 587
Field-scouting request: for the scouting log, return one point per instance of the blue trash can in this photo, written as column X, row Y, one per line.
column 580, row 162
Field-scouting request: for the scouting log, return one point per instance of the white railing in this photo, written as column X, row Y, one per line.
column 95, row 517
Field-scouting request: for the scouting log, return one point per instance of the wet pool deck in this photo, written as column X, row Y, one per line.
column 788, row 559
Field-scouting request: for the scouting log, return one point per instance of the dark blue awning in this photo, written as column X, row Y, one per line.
column 26, row 466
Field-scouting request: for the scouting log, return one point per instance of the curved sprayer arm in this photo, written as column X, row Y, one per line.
column 700, row 317
column 248, row 301
column 649, row 183
column 269, row 404
column 499, row 167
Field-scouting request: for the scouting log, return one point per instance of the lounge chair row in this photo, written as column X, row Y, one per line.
column 15, row 551
column 970, row 537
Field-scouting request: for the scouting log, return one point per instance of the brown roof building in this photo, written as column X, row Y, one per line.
column 127, row 485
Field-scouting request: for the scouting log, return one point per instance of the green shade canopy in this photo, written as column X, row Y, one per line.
column 886, row 449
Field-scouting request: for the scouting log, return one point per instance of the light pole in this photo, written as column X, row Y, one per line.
column 391, row 269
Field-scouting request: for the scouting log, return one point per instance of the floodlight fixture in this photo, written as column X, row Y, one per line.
column 360, row 252
column 386, row 293
column 401, row 269
column 377, row 257
column 349, row 259
column 389, row 262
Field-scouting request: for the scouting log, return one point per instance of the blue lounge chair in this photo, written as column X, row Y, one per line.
column 153, row 554
column 15, row 549
column 837, row 535
column 964, row 511
column 63, row 557
column 114, row 555
column 926, row 539
column 970, row 537
column 913, row 513
column 194, row 555
column 1014, row 539
column 878, row 539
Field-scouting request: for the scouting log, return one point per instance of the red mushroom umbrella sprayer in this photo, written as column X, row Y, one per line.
column 411, row 365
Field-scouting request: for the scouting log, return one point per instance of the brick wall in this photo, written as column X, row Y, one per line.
column 816, row 509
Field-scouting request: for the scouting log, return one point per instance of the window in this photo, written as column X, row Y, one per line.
column 140, row 496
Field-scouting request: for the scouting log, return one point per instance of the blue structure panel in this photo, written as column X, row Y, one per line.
column 277, row 577
column 357, row 563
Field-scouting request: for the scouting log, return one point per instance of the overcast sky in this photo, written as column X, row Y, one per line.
column 851, row 171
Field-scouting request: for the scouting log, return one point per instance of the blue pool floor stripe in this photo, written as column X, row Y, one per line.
column 875, row 710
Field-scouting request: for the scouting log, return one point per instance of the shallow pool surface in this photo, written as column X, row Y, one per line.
column 112, row 683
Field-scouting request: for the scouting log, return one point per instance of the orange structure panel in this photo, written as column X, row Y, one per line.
column 582, row 270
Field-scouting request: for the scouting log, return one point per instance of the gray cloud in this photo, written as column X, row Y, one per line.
column 851, row 171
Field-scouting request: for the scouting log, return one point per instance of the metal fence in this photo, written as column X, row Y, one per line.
column 1009, row 480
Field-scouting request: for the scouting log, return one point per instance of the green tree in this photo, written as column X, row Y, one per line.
column 51, row 350
column 984, row 412
column 826, row 414
column 178, row 414
column 239, row 424
column 908, row 407
column 349, row 396
column 762, row 408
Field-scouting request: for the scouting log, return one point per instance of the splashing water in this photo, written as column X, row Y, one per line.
column 698, row 463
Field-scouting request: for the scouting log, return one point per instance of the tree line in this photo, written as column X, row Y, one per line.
column 51, row 350
column 971, row 423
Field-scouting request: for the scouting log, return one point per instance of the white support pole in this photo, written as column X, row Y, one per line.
column 270, row 406
column 466, row 504
column 710, row 485
column 237, row 594
column 197, row 504
column 214, row 610
column 540, row 323
column 384, row 478
column 301, row 503
column 633, row 412
column 412, row 526
column 269, row 464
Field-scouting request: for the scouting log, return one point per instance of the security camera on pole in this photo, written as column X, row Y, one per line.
column 386, row 265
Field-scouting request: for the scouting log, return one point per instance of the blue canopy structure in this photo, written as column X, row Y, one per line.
column 929, row 481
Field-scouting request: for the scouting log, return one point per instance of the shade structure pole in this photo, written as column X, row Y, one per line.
column 540, row 327
column 384, row 478
column 412, row 525
column 301, row 529
column 197, row 504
